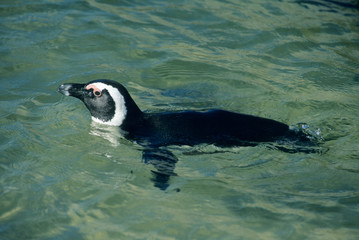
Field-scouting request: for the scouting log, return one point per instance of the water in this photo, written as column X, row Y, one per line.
column 62, row 177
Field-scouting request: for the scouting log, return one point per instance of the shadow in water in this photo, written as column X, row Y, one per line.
column 164, row 162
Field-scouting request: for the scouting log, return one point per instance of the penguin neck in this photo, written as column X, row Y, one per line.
column 133, row 115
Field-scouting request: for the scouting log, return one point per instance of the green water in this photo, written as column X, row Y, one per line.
column 62, row 177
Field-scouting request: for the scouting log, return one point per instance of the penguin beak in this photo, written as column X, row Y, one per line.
column 74, row 90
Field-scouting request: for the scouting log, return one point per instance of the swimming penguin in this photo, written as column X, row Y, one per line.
column 110, row 103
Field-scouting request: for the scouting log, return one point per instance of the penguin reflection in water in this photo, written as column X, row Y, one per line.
column 110, row 103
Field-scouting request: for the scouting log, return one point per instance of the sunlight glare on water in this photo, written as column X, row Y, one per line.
column 63, row 177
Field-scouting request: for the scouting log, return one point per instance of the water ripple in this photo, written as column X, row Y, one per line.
column 293, row 61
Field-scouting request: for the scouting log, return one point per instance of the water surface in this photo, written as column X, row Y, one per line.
column 62, row 177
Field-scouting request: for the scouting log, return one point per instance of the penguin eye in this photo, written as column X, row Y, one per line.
column 97, row 93
column 94, row 90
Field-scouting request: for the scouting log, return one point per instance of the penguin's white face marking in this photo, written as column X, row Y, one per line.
column 107, row 105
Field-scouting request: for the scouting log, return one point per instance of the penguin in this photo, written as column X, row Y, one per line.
column 110, row 103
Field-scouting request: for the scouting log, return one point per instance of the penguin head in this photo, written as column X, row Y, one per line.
column 108, row 101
